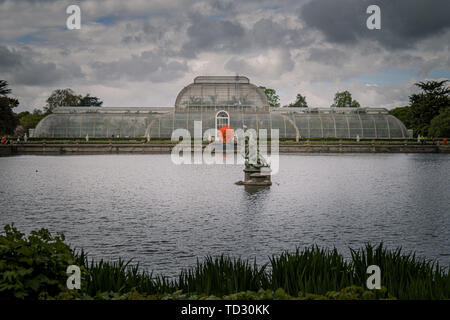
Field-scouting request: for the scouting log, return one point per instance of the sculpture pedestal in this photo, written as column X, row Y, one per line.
column 254, row 177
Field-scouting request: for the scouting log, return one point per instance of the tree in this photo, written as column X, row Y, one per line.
column 427, row 104
column 61, row 98
column 68, row 98
column 88, row 101
column 8, row 119
column 4, row 90
column 344, row 100
column 404, row 114
column 30, row 120
column 272, row 97
column 300, row 102
column 440, row 125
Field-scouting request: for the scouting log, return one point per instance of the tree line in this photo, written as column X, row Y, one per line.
column 428, row 112
column 342, row 99
column 12, row 123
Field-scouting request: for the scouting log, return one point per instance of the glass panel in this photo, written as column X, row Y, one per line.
column 133, row 124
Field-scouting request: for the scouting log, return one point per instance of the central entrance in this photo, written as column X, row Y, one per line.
column 222, row 119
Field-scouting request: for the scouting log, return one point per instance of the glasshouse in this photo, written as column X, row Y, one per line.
column 219, row 101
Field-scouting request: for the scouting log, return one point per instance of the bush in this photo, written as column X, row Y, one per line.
column 440, row 125
column 35, row 268
column 29, row 266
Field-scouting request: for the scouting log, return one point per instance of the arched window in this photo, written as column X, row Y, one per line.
column 222, row 119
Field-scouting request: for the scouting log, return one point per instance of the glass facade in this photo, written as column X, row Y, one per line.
column 217, row 101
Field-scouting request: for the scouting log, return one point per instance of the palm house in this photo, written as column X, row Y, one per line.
column 218, row 101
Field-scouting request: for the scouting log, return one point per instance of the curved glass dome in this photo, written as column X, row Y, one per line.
column 195, row 103
column 221, row 92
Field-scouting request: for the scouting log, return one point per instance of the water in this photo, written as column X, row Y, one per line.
column 166, row 216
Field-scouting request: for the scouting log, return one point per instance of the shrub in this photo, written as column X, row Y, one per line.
column 29, row 266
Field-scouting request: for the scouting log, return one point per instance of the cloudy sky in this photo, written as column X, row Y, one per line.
column 143, row 52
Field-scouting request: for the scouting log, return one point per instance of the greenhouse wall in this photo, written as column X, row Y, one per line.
column 217, row 101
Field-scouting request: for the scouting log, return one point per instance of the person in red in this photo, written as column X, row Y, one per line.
column 3, row 140
column 445, row 140
column 224, row 130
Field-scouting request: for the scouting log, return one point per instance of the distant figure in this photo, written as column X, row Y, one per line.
column 418, row 138
column 87, row 137
column 3, row 140
column 445, row 140
column 357, row 138
column 25, row 138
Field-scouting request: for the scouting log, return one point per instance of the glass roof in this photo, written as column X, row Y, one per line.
column 161, row 124
column 244, row 103
column 221, row 92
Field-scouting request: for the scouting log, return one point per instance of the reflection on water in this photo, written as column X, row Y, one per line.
column 165, row 216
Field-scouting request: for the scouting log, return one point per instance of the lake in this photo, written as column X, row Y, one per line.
column 165, row 216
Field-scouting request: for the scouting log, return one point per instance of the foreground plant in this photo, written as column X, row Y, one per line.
column 34, row 267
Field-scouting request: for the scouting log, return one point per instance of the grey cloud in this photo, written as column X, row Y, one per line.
column 267, row 33
column 148, row 66
column 403, row 23
column 277, row 62
column 214, row 35
column 24, row 67
column 228, row 36
column 327, row 56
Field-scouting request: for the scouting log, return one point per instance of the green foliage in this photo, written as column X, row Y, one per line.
column 222, row 275
column 348, row 293
column 344, row 100
column 404, row 114
column 61, row 98
column 88, row 101
column 4, row 90
column 8, row 119
column 29, row 266
column 68, row 98
column 440, row 125
column 119, row 277
column 312, row 270
column 30, row 120
column 34, row 267
column 405, row 275
column 300, row 102
column 427, row 104
column 271, row 94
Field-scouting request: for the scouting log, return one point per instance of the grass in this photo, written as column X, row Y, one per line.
column 35, row 267
column 310, row 270
column 283, row 141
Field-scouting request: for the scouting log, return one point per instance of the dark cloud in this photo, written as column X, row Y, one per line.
column 227, row 36
column 327, row 56
column 24, row 67
column 280, row 43
column 206, row 34
column 273, row 63
column 267, row 33
column 149, row 65
column 403, row 22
